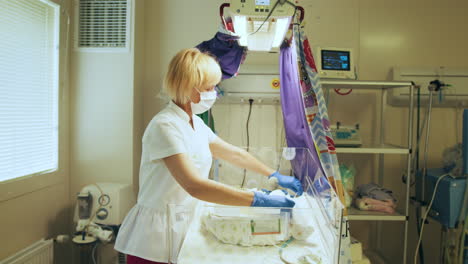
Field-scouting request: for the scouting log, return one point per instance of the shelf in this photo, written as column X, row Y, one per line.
column 357, row 84
column 374, row 149
column 358, row 215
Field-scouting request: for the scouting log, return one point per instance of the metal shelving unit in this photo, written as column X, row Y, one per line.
column 382, row 148
column 358, row 215
column 375, row 149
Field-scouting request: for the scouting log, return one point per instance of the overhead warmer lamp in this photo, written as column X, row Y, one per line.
column 260, row 24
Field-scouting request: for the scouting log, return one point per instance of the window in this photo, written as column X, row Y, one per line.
column 29, row 52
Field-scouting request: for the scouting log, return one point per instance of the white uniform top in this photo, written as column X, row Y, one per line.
column 144, row 230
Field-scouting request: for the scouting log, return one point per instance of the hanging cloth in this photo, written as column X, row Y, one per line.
column 295, row 123
column 315, row 109
column 228, row 52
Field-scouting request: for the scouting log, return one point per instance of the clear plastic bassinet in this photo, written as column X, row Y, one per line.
column 307, row 233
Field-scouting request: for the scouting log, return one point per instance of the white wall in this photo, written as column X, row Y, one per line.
column 170, row 27
column 103, row 105
column 102, row 118
column 106, row 115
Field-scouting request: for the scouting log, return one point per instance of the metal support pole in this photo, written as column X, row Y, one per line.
column 426, row 145
column 408, row 181
column 381, row 171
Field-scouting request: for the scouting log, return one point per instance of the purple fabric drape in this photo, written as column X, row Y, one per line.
column 295, row 123
column 229, row 53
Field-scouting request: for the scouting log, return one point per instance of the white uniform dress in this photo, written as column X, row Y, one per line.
column 143, row 231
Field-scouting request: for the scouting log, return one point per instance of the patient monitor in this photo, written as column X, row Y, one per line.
column 335, row 63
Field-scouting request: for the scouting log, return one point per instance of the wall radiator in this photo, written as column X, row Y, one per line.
column 41, row 252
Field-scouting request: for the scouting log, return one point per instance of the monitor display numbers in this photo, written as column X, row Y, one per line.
column 336, row 60
column 262, row 2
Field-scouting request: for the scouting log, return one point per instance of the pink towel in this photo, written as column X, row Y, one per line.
column 369, row 204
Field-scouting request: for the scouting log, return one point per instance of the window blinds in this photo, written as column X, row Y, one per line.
column 28, row 87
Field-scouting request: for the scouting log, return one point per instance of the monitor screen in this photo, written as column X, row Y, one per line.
column 336, row 60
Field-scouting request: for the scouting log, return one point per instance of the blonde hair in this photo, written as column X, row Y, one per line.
column 190, row 68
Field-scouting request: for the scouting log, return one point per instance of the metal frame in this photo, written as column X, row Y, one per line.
column 409, row 165
column 383, row 149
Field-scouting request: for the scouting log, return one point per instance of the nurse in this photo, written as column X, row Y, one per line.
column 178, row 149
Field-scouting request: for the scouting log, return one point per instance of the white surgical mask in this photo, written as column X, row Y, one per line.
column 207, row 99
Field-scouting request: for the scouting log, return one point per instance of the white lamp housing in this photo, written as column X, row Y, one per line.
column 250, row 21
column 258, row 34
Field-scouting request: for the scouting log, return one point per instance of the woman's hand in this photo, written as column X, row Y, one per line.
column 288, row 182
column 264, row 200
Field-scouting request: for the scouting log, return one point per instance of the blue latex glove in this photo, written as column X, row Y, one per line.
column 265, row 200
column 288, row 182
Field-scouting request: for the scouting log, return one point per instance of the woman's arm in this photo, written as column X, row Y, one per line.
column 186, row 174
column 239, row 157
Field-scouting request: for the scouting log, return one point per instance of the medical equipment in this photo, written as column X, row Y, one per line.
column 232, row 226
column 448, row 203
column 335, row 63
column 452, row 94
column 109, row 201
column 446, row 194
column 221, row 234
column 261, row 8
column 100, row 207
column 433, row 87
column 423, row 221
column 346, row 136
column 235, row 244
column 259, row 89
column 261, row 24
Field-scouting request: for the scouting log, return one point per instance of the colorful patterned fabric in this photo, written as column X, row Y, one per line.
column 319, row 124
column 295, row 123
column 316, row 110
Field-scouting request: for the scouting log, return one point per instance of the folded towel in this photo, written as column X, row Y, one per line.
column 374, row 191
column 369, row 204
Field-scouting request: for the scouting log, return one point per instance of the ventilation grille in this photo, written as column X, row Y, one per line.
column 103, row 23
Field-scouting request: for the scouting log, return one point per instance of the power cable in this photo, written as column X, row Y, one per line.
column 425, row 217
column 248, row 137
